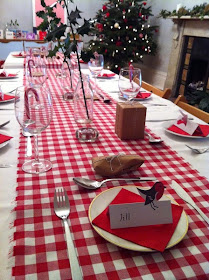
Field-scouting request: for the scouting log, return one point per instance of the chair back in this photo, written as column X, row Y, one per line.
column 181, row 102
column 166, row 93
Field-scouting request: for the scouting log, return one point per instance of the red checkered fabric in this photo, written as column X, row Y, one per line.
column 40, row 250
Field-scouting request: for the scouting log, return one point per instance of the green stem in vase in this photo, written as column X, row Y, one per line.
column 79, row 66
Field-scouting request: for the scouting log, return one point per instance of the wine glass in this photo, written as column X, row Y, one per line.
column 96, row 65
column 33, row 110
column 129, row 82
column 36, row 72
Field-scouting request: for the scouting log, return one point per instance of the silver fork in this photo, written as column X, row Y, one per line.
column 62, row 210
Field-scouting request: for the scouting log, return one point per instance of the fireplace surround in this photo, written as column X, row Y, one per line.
column 185, row 30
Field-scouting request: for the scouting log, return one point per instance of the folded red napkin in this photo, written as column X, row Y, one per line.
column 202, row 130
column 4, row 74
column 4, row 138
column 154, row 236
column 107, row 75
column 143, row 95
column 7, row 97
column 19, row 54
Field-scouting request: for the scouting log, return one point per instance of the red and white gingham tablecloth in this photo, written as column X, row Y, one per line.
column 39, row 246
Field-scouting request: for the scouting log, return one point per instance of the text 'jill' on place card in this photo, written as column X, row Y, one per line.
column 138, row 214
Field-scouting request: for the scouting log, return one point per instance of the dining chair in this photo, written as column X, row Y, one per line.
column 166, row 93
column 182, row 103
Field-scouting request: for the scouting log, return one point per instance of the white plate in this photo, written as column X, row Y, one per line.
column 168, row 124
column 100, row 203
column 6, row 142
column 140, row 99
column 9, row 100
column 8, row 78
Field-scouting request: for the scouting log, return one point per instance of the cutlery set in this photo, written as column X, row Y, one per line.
column 62, row 210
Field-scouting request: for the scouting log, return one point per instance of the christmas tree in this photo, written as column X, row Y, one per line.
column 122, row 33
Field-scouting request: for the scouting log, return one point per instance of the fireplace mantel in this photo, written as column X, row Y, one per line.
column 184, row 26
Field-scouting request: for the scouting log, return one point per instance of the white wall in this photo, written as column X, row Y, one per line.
column 154, row 68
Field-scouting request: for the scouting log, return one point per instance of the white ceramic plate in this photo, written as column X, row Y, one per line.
column 4, row 143
column 9, row 100
column 101, row 201
column 140, row 99
column 168, row 124
column 8, row 77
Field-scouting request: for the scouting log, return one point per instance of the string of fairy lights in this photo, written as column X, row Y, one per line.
column 143, row 32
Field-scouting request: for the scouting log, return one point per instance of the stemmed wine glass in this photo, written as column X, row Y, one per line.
column 129, row 82
column 96, row 65
column 36, row 72
column 33, row 110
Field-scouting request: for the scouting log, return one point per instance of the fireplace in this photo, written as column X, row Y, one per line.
column 188, row 68
column 193, row 71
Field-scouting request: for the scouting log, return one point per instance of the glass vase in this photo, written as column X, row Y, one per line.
column 83, row 110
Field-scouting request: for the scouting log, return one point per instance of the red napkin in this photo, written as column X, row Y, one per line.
column 19, row 54
column 4, row 138
column 154, row 236
column 105, row 75
column 7, row 97
column 4, row 74
column 202, row 130
column 143, row 95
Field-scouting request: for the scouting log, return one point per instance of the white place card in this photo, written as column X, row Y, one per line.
column 186, row 125
column 9, row 35
column 137, row 214
column 1, row 34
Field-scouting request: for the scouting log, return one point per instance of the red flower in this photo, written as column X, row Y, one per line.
column 104, row 8
column 107, row 14
column 144, row 3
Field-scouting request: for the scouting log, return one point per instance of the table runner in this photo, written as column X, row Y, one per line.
column 39, row 250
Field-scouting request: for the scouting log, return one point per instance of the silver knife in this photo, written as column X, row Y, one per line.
column 184, row 195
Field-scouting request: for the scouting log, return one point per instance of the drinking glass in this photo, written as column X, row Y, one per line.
column 67, row 82
column 83, row 110
column 129, row 82
column 96, row 65
column 36, row 72
column 33, row 110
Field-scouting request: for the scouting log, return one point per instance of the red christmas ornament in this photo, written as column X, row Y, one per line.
column 107, row 14
column 105, row 50
column 143, row 47
column 156, row 30
column 143, row 17
column 140, row 14
column 124, row 11
column 100, row 27
column 104, row 8
column 141, row 35
column 130, row 27
column 118, row 43
column 125, row 20
column 144, row 3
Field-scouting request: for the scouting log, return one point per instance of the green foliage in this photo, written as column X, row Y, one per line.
column 122, row 33
column 199, row 98
column 56, row 30
column 197, row 11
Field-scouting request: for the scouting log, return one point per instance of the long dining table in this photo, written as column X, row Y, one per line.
column 32, row 239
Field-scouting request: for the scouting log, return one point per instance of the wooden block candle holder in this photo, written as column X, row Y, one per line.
column 130, row 121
